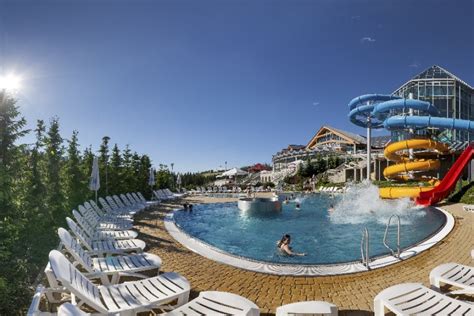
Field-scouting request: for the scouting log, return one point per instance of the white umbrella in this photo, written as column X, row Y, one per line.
column 94, row 182
column 151, row 177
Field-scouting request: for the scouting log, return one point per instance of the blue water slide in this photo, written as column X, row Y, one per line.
column 376, row 109
column 405, row 104
column 402, row 122
column 361, row 109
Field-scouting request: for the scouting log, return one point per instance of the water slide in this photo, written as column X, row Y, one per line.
column 448, row 183
column 411, row 156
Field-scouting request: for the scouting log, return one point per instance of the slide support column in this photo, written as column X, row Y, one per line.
column 369, row 134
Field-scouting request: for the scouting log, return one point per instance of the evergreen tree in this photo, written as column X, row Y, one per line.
column 127, row 170
column 37, row 189
column 135, row 172
column 104, row 166
column 86, row 167
column 115, row 171
column 37, row 237
column 55, row 196
column 143, row 176
column 12, row 272
column 76, row 186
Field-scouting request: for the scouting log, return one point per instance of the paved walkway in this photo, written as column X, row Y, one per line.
column 352, row 293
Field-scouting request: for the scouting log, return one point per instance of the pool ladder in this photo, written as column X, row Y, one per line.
column 395, row 254
column 364, row 248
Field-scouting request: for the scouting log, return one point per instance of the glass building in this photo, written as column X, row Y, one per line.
column 453, row 97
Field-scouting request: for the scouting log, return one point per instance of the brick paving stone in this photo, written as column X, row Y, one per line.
column 352, row 293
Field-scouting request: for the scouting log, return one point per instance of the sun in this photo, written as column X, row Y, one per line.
column 10, row 82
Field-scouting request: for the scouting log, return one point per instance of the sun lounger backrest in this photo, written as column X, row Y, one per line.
column 79, row 233
column 131, row 198
column 75, row 281
column 105, row 205
column 83, row 223
column 135, row 195
column 96, row 207
column 111, row 202
column 91, row 208
column 141, row 197
column 88, row 215
column 75, row 249
column 118, row 201
column 125, row 200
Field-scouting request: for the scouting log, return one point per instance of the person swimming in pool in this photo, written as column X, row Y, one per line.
column 284, row 246
column 298, row 206
column 331, row 208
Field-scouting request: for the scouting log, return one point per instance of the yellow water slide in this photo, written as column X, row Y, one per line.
column 423, row 158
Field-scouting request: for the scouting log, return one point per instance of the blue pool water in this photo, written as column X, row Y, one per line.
column 325, row 237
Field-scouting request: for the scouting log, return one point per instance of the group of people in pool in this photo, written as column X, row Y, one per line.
column 188, row 207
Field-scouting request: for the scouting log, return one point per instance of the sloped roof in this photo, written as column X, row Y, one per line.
column 436, row 72
column 347, row 135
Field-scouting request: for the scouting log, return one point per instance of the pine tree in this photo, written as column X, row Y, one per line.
column 115, row 171
column 104, row 166
column 37, row 233
column 35, row 197
column 135, row 172
column 86, row 167
column 55, row 196
column 12, row 273
column 143, row 176
column 127, row 170
column 76, row 186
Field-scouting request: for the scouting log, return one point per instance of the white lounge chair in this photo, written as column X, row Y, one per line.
column 454, row 274
column 101, row 223
column 109, row 210
column 414, row 298
column 95, row 234
column 468, row 208
column 307, row 308
column 207, row 303
column 105, row 247
column 126, row 298
column 129, row 265
column 217, row 303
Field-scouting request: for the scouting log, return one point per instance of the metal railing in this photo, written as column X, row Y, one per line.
column 397, row 254
column 364, row 248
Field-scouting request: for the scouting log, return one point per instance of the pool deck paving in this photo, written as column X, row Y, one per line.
column 352, row 293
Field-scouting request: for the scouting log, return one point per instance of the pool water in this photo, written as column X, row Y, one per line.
column 326, row 237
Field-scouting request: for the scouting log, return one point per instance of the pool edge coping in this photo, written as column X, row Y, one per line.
column 212, row 253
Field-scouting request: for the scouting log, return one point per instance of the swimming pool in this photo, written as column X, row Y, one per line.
column 326, row 238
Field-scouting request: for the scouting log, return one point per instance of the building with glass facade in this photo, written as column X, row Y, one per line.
column 453, row 97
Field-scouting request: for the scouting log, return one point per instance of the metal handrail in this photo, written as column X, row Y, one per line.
column 365, row 240
column 397, row 255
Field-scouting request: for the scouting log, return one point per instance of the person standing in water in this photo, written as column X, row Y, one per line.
column 284, row 246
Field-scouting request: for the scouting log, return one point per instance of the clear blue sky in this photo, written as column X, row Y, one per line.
column 198, row 83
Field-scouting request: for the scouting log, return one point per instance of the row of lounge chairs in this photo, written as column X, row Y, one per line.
column 330, row 189
column 166, row 194
column 222, row 189
column 101, row 247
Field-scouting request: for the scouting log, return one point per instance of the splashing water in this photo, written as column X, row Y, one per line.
column 361, row 203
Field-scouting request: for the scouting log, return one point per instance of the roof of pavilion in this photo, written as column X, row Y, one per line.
column 348, row 137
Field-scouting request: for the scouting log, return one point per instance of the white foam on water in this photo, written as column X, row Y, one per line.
column 362, row 204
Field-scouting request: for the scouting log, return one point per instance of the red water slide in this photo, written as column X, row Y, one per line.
column 448, row 183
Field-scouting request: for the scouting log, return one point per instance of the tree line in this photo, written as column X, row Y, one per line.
column 40, row 184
